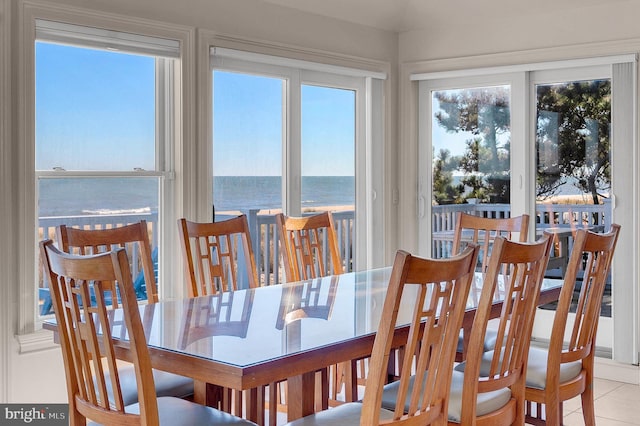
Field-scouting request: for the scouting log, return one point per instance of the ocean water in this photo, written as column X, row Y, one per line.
column 264, row 192
column 82, row 196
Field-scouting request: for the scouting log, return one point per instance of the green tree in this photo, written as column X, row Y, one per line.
column 574, row 121
column 444, row 191
column 485, row 114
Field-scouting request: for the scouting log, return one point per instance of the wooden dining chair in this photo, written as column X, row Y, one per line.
column 483, row 231
column 309, row 248
column 435, row 292
column 217, row 256
column 133, row 237
column 88, row 348
column 488, row 388
column 565, row 369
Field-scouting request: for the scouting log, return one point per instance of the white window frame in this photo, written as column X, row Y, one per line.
column 623, row 324
column 30, row 336
column 367, row 78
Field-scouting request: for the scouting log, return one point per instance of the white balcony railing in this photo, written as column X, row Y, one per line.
column 547, row 216
column 262, row 228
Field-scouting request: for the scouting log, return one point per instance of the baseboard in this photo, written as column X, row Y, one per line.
column 611, row 370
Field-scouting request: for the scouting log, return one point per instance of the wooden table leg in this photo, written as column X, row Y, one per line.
column 210, row 395
column 322, row 389
column 303, row 405
column 351, row 381
column 255, row 405
column 199, row 392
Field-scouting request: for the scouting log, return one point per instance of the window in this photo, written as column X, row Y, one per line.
column 247, row 147
column 100, row 127
column 573, row 160
column 562, row 172
column 471, row 139
column 288, row 136
column 99, row 136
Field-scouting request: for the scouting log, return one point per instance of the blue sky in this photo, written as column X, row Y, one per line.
column 95, row 111
column 248, row 127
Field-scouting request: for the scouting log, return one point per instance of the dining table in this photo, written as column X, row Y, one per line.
column 250, row 338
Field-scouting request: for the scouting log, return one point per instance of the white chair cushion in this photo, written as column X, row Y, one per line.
column 345, row 414
column 489, row 340
column 167, row 384
column 537, row 369
column 485, row 364
column 178, row 412
column 486, row 402
column 390, row 394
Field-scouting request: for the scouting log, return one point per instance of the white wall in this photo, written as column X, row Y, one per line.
column 259, row 21
column 6, row 213
column 30, row 369
column 517, row 28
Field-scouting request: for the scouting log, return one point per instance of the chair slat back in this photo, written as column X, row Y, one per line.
column 214, row 252
column 591, row 257
column 516, row 271
column 133, row 237
column 442, row 287
column 93, row 381
column 309, row 246
column 483, row 231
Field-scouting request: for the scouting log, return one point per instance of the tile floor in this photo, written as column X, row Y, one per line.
column 617, row 404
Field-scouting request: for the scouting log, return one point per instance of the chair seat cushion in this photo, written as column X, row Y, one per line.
column 486, row 402
column 537, row 369
column 167, row 384
column 345, row 414
column 489, row 340
column 177, row 412
column 485, row 363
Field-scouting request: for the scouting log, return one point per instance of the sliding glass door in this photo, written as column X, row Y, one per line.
column 542, row 143
column 573, row 181
column 286, row 140
column 247, row 142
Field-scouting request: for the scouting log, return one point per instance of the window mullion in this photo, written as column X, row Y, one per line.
column 56, row 174
column 293, row 148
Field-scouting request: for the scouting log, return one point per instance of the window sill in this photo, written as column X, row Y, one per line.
column 39, row 340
